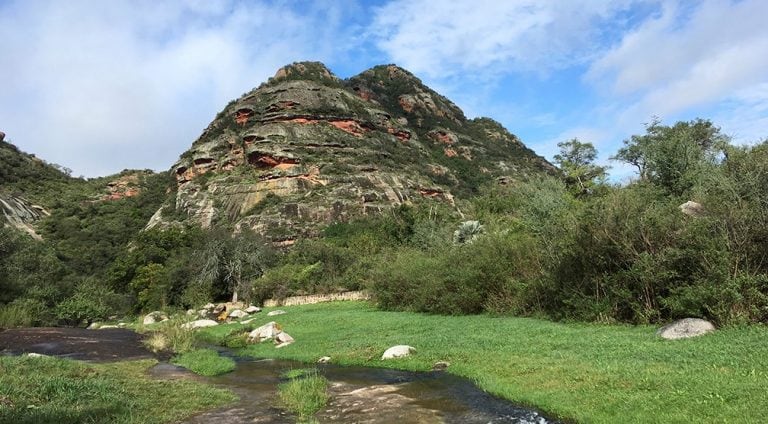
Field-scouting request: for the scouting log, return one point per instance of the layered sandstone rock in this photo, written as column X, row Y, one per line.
column 306, row 149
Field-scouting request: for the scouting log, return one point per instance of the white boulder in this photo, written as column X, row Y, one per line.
column 685, row 328
column 252, row 309
column 200, row 323
column 399, row 351
column 238, row 313
column 275, row 312
column 154, row 317
column 692, row 208
column 283, row 339
column 265, row 332
column 324, row 360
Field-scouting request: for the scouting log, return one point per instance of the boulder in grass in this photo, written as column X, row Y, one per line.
column 685, row 328
column 238, row 313
column 201, row 323
column 154, row 317
column 265, row 332
column 283, row 339
column 252, row 309
column 324, row 360
column 275, row 312
column 399, row 351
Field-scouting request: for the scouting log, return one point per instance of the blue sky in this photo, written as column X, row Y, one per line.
column 100, row 86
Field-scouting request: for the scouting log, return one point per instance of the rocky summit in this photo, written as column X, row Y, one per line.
column 307, row 148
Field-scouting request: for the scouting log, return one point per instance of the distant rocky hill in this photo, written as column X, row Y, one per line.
column 307, row 148
column 32, row 189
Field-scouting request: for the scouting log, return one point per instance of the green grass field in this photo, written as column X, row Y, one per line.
column 580, row 372
column 51, row 390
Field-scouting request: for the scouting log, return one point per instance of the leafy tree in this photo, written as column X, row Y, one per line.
column 151, row 285
column 230, row 263
column 674, row 157
column 577, row 160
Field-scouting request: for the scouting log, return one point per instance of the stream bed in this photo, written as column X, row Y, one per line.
column 358, row 394
column 362, row 395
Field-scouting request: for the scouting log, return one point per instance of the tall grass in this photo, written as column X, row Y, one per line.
column 305, row 394
column 22, row 313
column 170, row 336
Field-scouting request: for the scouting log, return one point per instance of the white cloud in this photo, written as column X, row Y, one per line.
column 686, row 58
column 102, row 86
column 490, row 36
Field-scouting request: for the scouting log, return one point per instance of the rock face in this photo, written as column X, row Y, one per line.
column 307, row 148
column 685, row 328
column 20, row 214
column 128, row 185
column 399, row 351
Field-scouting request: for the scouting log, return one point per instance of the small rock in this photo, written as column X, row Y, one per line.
column 275, row 312
column 94, row 326
column 283, row 339
column 440, row 365
column 237, row 313
column 399, row 351
column 122, row 324
column 107, row 327
column 265, row 332
column 252, row 309
column 35, row 355
column 201, row 323
column 248, row 321
column 153, row 317
column 203, row 313
column 685, row 328
column 209, row 306
column 219, row 308
column 324, row 360
column 692, row 208
column 191, row 312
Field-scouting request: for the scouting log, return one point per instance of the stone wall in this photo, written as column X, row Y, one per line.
column 317, row 298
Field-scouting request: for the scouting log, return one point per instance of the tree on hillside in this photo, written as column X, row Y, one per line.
column 577, row 160
column 674, row 157
column 231, row 263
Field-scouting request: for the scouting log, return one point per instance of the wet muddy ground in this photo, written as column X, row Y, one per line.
column 112, row 344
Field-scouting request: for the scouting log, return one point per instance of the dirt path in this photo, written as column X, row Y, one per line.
column 76, row 343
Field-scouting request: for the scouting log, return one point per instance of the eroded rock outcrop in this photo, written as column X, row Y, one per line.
column 20, row 214
column 306, row 149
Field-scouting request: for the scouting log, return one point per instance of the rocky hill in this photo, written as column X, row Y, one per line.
column 32, row 190
column 307, row 148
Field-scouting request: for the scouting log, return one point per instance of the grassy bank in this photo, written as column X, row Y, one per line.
column 51, row 390
column 204, row 362
column 582, row 372
column 304, row 393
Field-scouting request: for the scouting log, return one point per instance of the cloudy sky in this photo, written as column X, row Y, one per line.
column 100, row 86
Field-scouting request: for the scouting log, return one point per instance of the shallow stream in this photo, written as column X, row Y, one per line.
column 358, row 394
column 362, row 395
